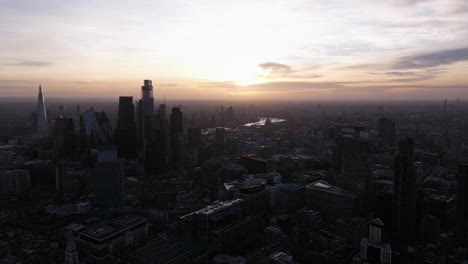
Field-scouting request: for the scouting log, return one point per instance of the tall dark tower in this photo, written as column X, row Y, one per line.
column 157, row 153
column 147, row 97
column 109, row 179
column 445, row 107
column 387, row 130
column 42, row 126
column 462, row 205
column 145, row 109
column 176, row 134
column 64, row 134
column 162, row 110
column 404, row 193
column 125, row 134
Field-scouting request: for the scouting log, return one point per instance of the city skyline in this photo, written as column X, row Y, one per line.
column 267, row 50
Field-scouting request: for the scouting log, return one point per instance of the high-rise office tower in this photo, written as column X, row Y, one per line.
column 351, row 162
column 194, row 137
column 64, row 134
column 144, row 110
column 157, row 153
column 387, row 130
column 176, row 135
column 95, row 129
column 445, row 106
column 109, row 179
column 125, row 134
column 176, row 120
column 404, row 192
column 147, row 97
column 220, row 136
column 462, row 205
column 42, row 126
column 139, row 127
column 162, row 110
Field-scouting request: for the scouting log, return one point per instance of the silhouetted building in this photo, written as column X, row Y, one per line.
column 351, row 159
column 387, row 130
column 162, row 111
column 42, row 125
column 43, row 172
column 176, row 135
column 110, row 238
column 158, row 151
column 256, row 198
column 220, row 137
column 404, row 192
column 333, row 202
column 229, row 114
column 430, row 227
column 109, row 179
column 125, row 133
column 144, row 110
column 219, row 226
column 445, row 107
column 194, row 137
column 373, row 250
column 64, row 135
column 462, row 204
column 14, row 181
column 352, row 228
column 147, row 97
column 95, row 130
column 254, row 164
column 160, row 250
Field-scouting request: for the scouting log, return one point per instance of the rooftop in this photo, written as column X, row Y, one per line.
column 324, row 186
column 215, row 207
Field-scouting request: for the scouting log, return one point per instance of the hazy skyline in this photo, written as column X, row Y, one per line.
column 401, row 49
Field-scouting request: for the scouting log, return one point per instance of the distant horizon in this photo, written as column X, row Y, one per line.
column 158, row 99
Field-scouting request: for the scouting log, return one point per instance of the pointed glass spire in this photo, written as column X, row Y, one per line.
column 42, row 127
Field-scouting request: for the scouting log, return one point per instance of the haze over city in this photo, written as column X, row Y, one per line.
column 236, row 50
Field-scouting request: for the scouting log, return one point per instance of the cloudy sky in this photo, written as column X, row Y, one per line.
column 243, row 49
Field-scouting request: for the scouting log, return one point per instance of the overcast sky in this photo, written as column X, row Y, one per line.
column 214, row 49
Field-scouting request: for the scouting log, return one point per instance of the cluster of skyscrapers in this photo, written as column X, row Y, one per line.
column 139, row 184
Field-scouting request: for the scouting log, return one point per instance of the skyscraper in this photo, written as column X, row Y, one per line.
column 109, row 179
column 125, row 134
column 95, row 129
column 162, row 110
column 351, row 160
column 176, row 135
column 462, row 204
column 387, row 130
column 404, row 192
column 64, row 134
column 42, row 126
column 220, row 136
column 157, row 152
column 144, row 110
column 147, row 97
column 445, row 107
column 194, row 137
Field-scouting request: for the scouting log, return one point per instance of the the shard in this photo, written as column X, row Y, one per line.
column 42, row 127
